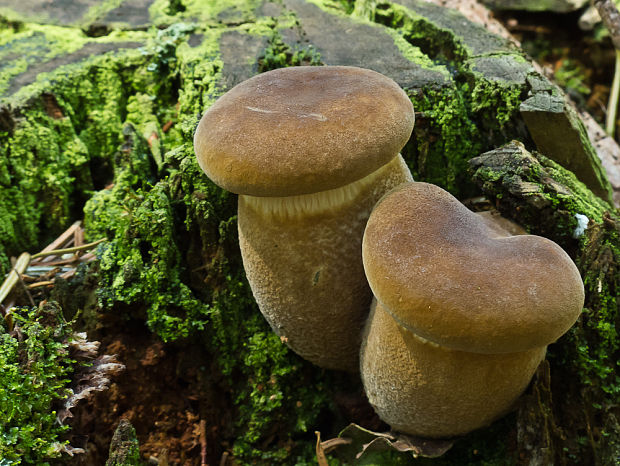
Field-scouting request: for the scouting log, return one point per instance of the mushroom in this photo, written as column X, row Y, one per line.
column 310, row 150
column 463, row 312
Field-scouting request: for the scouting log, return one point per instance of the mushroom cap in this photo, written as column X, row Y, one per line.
column 302, row 130
column 443, row 274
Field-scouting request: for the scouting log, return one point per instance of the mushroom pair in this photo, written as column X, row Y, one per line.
column 309, row 150
column 463, row 312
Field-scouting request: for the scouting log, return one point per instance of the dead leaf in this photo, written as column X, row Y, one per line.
column 354, row 443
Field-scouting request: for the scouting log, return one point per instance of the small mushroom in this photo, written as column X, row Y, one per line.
column 310, row 150
column 463, row 312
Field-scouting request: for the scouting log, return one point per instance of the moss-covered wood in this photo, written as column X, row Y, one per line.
column 97, row 115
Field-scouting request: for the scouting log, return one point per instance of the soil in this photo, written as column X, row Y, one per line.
column 172, row 394
column 161, row 394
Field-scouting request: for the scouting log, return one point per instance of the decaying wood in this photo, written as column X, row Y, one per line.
column 611, row 19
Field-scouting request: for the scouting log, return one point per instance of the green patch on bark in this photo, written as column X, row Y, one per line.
column 541, row 195
column 173, row 257
column 35, row 368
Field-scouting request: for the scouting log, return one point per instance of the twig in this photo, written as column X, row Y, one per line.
column 611, row 19
column 224, row 459
column 40, row 284
column 78, row 237
column 203, row 443
column 58, row 252
column 321, row 459
column 332, row 444
column 68, row 274
column 612, row 104
column 13, row 276
column 24, row 286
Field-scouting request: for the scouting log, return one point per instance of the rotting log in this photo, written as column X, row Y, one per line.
column 98, row 124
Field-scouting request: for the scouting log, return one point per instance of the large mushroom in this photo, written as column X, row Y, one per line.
column 310, row 150
column 463, row 312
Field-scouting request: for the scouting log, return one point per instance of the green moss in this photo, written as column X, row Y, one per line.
column 594, row 344
column 210, row 13
column 445, row 139
column 495, row 103
column 124, row 447
column 435, row 42
column 34, row 374
column 59, row 151
column 280, row 55
column 99, row 10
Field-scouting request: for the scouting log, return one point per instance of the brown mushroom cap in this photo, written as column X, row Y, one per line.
column 443, row 274
column 302, row 130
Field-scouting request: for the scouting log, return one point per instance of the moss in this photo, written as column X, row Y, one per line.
column 439, row 44
column 35, row 368
column 99, row 10
column 124, row 448
column 32, row 44
column 280, row 55
column 211, row 13
column 60, row 151
column 595, row 343
column 445, row 139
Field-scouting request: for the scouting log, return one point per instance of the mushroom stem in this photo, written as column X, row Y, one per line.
column 307, row 276
column 434, row 391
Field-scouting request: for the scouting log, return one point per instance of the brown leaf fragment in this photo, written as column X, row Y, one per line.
column 355, row 442
column 417, row 446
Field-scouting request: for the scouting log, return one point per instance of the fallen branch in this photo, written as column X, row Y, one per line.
column 203, row 443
